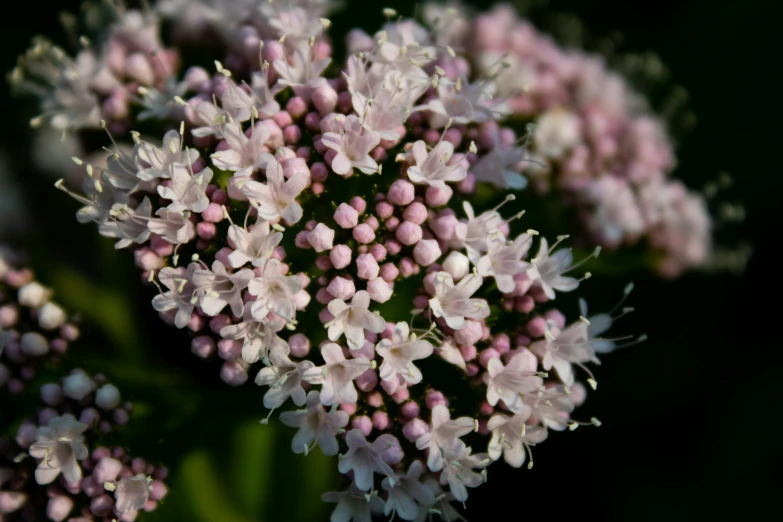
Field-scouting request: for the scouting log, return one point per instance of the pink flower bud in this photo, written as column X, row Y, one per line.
column 389, row 272
column 292, row 134
column 380, row 291
column 444, row 226
column 300, row 345
column 378, row 251
column 346, row 216
column 410, row 410
column 138, row 67
column 364, row 233
column 434, row 398
column 384, row 209
column 471, row 334
column 426, row 251
column 283, row 119
column 536, row 327
column 367, row 381
column 325, row 99
column 362, row 423
column 401, row 192
column 486, row 355
column 468, row 352
column 296, row 107
column 408, row 267
column 408, row 233
column 416, row 213
column 59, row 508
column 229, row 349
column 367, row 267
column 233, row 373
column 340, row 255
column 321, row 237
column 203, row 346
column 414, row 429
column 380, row 420
column 359, row 204
column 341, row 288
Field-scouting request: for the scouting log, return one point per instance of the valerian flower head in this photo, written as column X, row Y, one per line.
column 285, row 248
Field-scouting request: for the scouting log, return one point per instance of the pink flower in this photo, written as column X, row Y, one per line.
column 510, row 383
column 337, row 375
column 353, row 147
column 353, row 320
column 315, row 424
column 443, row 440
column 437, row 166
column 454, row 304
column 277, row 198
column 398, row 354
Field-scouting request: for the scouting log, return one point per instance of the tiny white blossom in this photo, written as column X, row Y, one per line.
column 510, row 436
column 398, row 354
column 217, row 288
column 547, row 270
column 443, row 440
column 127, row 224
column 353, row 505
column 437, row 166
column 407, row 493
column 284, row 378
column 59, row 445
column 353, row 320
column 253, row 246
column 174, row 227
column 500, row 166
column 156, row 162
column 454, row 304
column 274, row 291
column 315, row 424
column 187, row 191
column 244, row 155
column 180, row 296
column 353, row 147
column 337, row 375
column 460, row 473
column 259, row 336
column 277, row 197
column 365, row 458
column 503, row 260
column 551, row 406
column 473, row 233
column 510, row 383
column 132, row 493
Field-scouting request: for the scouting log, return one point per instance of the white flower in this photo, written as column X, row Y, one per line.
column 454, row 304
column 259, row 83
column 132, row 493
column 337, row 375
column 560, row 348
column 460, row 473
column 217, row 288
column 161, row 160
column 302, row 73
column 503, row 260
column 174, row 227
column 284, row 378
column 473, row 233
column 443, row 502
column 598, row 324
column 511, row 436
column 180, row 296
column 259, row 337
column 510, row 383
column 59, row 445
column 353, row 320
column 353, row 505
column 127, row 224
column 437, row 166
column 499, row 166
column 353, row 147
column 551, row 406
column 463, row 102
column 406, row 493
column 398, row 354
column 277, row 197
column 557, row 131
column 254, row 246
column 274, row 291
column 451, row 353
column 187, row 191
column 365, row 458
column 214, row 119
column 443, row 440
column 244, row 155
column 383, row 113
column 315, row 424
column 547, row 270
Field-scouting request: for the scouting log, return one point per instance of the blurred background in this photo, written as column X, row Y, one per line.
column 688, row 417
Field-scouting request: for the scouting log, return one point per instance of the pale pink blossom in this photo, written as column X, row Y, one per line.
column 284, row 378
column 217, row 288
column 353, row 320
column 180, row 296
column 353, row 147
column 443, row 440
column 315, row 424
column 59, row 446
column 337, row 375
column 254, row 246
column 244, row 155
column 510, row 383
column 274, row 291
column 547, row 270
column 454, row 303
column 503, row 260
column 365, row 458
column 406, row 493
column 398, row 354
column 276, row 199
column 437, row 166
column 187, row 191
column 511, row 437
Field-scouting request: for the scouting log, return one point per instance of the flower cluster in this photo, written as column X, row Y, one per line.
column 71, row 478
column 320, row 228
column 595, row 140
column 32, row 326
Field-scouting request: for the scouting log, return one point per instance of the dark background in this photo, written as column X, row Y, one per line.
column 689, row 418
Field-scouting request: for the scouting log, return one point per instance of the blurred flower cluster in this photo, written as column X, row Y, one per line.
column 351, row 233
column 54, row 464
